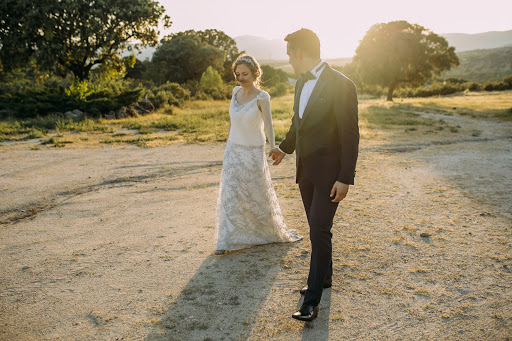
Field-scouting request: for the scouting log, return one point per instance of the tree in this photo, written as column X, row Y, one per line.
column 210, row 79
column 219, row 40
column 212, row 85
column 77, row 34
column 136, row 70
column 398, row 52
column 272, row 76
column 183, row 58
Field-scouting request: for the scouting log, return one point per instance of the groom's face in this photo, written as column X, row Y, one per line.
column 295, row 59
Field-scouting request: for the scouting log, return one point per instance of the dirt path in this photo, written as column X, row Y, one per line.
column 115, row 244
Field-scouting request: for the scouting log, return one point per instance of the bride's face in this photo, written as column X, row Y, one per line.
column 244, row 75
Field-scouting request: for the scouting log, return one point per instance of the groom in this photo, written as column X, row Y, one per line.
column 325, row 135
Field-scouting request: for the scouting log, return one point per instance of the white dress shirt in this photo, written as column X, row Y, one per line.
column 308, row 88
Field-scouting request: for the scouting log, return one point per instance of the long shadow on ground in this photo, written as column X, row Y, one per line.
column 224, row 297
column 318, row 329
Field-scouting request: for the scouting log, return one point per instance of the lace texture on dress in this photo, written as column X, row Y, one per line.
column 248, row 212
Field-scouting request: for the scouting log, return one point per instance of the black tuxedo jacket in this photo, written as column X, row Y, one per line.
column 326, row 139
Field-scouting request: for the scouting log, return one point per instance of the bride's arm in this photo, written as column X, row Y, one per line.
column 264, row 105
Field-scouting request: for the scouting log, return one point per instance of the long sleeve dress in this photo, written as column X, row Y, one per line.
column 248, row 211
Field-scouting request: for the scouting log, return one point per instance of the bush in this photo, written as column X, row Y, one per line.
column 495, row 86
column 508, row 81
column 437, row 89
column 161, row 98
column 167, row 93
column 456, row 81
column 447, row 89
column 278, row 90
column 177, row 90
column 42, row 102
column 473, row 86
column 272, row 77
column 201, row 96
column 210, row 80
column 128, row 97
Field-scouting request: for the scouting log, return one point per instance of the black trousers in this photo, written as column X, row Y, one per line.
column 320, row 211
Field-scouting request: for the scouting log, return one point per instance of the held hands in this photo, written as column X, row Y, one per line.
column 277, row 156
column 340, row 190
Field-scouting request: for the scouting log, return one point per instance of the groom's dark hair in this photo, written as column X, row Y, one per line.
column 305, row 40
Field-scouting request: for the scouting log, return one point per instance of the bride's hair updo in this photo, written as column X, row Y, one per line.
column 252, row 64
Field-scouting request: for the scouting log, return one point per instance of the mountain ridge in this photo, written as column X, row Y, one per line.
column 275, row 49
column 479, row 41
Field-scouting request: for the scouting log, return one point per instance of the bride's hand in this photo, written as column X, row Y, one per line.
column 277, row 156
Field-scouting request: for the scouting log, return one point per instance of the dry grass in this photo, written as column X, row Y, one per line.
column 495, row 105
column 208, row 121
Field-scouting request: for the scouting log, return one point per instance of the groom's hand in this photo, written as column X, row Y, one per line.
column 277, row 156
column 340, row 190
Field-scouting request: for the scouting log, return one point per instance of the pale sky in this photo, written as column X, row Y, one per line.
column 340, row 25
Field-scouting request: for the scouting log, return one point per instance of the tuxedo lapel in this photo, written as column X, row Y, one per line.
column 322, row 82
column 300, row 85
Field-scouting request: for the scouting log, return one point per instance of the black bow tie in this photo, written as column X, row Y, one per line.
column 308, row 76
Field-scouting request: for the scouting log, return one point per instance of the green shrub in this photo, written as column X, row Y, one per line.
column 210, row 79
column 278, row 90
column 99, row 94
column 201, row 96
column 508, row 80
column 167, row 93
column 271, row 76
column 100, row 106
column 447, row 89
column 456, row 81
column 495, row 86
column 177, row 91
column 129, row 97
column 45, row 101
column 162, row 97
column 436, row 89
column 473, row 86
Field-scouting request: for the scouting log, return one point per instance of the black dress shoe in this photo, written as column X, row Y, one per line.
column 306, row 313
column 327, row 284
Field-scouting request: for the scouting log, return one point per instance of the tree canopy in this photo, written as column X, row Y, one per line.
column 217, row 39
column 75, row 34
column 399, row 52
column 272, row 76
column 184, row 58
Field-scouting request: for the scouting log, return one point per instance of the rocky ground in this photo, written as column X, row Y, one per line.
column 115, row 243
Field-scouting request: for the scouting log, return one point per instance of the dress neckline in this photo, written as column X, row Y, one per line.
column 242, row 104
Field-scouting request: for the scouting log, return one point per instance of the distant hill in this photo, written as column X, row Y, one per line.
column 275, row 49
column 483, row 65
column 487, row 40
column 483, row 56
column 260, row 48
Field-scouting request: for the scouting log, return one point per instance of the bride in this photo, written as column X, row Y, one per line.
column 248, row 212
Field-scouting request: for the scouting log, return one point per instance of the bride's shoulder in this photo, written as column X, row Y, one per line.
column 236, row 88
column 263, row 95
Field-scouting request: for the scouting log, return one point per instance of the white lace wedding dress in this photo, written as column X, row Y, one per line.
column 248, row 212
